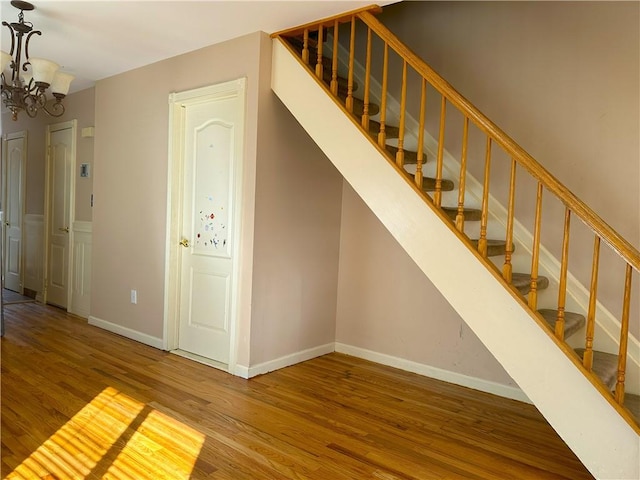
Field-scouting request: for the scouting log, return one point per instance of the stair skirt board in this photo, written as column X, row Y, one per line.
column 600, row 437
column 606, row 338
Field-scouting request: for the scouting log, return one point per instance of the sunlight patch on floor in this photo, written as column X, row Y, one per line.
column 115, row 437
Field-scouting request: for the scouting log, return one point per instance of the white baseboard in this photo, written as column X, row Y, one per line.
column 286, row 361
column 241, row 371
column 127, row 332
column 434, row 372
column 479, row 384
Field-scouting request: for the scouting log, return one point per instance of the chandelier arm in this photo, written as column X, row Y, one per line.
column 26, row 47
column 29, row 103
column 13, row 36
column 57, row 109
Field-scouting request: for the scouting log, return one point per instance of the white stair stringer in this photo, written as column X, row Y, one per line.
column 605, row 443
column 607, row 325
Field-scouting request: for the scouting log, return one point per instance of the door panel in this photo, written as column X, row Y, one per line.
column 14, row 201
column 60, row 171
column 210, row 146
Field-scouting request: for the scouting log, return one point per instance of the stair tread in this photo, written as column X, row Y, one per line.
column 572, row 321
column 495, row 248
column 429, row 184
column 470, row 214
column 390, row 130
column 358, row 105
column 605, row 366
column 522, row 281
column 410, row 157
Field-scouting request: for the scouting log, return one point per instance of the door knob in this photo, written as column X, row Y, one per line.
column 184, row 242
column 65, row 229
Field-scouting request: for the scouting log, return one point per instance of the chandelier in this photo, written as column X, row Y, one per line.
column 25, row 83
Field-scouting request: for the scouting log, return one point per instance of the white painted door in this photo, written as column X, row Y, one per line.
column 212, row 143
column 14, row 190
column 60, row 162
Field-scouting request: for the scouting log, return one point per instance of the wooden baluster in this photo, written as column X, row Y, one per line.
column 562, row 286
column 421, row 127
column 591, row 314
column 463, row 175
column 382, row 136
column 507, row 268
column 367, row 82
column 403, row 107
column 352, row 52
column 305, row 47
column 319, row 69
column 624, row 336
column 484, row 219
column 535, row 256
column 437, row 197
column 334, row 61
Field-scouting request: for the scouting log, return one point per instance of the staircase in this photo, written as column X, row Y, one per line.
column 581, row 392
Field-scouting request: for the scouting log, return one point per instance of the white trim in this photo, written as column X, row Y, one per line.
column 80, row 283
column 289, row 360
column 82, row 226
column 177, row 101
column 33, row 254
column 241, row 371
column 127, row 332
column 436, row 373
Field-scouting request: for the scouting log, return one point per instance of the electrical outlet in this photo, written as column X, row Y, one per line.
column 134, row 296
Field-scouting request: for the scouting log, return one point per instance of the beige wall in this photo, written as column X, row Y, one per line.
column 80, row 106
column 296, row 211
column 562, row 80
column 387, row 305
column 297, row 234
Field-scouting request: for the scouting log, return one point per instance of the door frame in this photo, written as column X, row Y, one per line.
column 174, row 211
column 23, row 187
column 73, row 125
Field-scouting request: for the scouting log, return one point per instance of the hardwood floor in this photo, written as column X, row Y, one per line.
column 78, row 402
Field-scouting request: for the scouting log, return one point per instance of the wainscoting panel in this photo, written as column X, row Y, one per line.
column 81, row 269
column 33, row 252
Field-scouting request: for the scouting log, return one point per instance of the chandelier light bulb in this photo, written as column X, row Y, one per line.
column 61, row 83
column 43, row 70
column 5, row 60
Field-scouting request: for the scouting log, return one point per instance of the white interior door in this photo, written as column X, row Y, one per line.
column 60, row 165
column 14, row 168
column 211, row 142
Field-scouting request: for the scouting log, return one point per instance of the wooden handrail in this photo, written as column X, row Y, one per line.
column 577, row 206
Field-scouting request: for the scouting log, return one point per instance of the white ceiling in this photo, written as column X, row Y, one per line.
column 97, row 39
